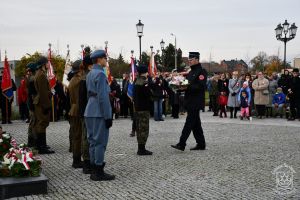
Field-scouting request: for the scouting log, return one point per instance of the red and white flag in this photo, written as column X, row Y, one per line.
column 133, row 74
column 152, row 70
column 50, row 72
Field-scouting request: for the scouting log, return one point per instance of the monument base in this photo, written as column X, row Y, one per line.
column 15, row 187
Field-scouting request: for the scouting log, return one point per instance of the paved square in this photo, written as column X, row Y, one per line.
column 237, row 164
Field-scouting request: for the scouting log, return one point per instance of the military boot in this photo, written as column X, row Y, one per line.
column 77, row 163
column 100, row 175
column 142, row 151
column 42, row 144
column 87, row 167
column 31, row 141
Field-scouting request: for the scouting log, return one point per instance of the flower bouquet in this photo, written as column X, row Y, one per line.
column 179, row 83
column 17, row 161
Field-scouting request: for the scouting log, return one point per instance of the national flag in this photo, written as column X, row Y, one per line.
column 6, row 84
column 50, row 72
column 152, row 70
column 133, row 69
column 68, row 68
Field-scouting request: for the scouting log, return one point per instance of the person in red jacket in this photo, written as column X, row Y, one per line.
column 22, row 101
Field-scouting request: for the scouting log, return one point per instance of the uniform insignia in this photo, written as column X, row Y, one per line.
column 201, row 77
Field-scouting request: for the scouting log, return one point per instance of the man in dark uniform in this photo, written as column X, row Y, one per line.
column 31, row 67
column 193, row 102
column 294, row 95
column 42, row 106
column 142, row 105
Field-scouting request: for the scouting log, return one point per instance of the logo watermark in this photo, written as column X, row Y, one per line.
column 284, row 175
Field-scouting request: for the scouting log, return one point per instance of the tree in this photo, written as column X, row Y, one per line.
column 259, row 61
column 118, row 67
column 145, row 59
column 168, row 58
column 57, row 62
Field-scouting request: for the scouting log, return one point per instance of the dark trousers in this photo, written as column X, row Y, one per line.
column 6, row 110
column 295, row 109
column 192, row 123
column 214, row 103
column 124, row 105
column 261, row 110
column 175, row 110
column 24, row 113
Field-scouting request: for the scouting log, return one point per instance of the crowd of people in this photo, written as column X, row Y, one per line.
column 90, row 103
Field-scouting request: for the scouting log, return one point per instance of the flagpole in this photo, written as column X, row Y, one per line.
column 52, row 98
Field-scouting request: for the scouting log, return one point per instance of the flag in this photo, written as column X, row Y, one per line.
column 67, row 70
column 50, row 72
column 6, row 84
column 133, row 69
column 107, row 70
column 152, row 70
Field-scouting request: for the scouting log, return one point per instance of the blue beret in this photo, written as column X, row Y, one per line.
column 41, row 62
column 194, row 55
column 98, row 54
column 142, row 69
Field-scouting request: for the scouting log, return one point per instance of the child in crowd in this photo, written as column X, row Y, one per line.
column 278, row 102
column 245, row 100
column 222, row 103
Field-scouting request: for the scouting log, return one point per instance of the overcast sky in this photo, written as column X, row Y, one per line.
column 224, row 29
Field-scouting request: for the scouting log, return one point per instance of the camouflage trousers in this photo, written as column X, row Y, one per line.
column 84, row 142
column 142, row 126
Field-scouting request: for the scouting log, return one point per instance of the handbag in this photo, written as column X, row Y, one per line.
column 265, row 92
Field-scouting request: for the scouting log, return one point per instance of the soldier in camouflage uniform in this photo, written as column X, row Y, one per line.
column 142, row 105
column 31, row 67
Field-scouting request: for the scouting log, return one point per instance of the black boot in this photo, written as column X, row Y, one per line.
column 178, row 146
column 77, row 163
column 142, row 151
column 100, row 175
column 31, row 141
column 198, row 147
column 87, row 167
column 42, row 148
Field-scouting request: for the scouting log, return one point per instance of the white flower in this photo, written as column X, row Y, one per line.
column 6, row 136
column 1, row 140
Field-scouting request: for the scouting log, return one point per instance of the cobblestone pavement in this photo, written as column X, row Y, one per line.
column 237, row 164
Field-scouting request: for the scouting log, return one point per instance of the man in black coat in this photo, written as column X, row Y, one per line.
column 193, row 102
column 294, row 94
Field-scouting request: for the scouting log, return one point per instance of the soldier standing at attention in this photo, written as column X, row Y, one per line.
column 82, row 101
column 42, row 106
column 142, row 105
column 75, row 121
column 193, row 103
column 98, row 115
column 31, row 67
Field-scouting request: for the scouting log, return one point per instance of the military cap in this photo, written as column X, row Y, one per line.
column 41, row 62
column 296, row 70
column 76, row 66
column 98, row 54
column 31, row 66
column 87, row 60
column 194, row 55
column 142, row 69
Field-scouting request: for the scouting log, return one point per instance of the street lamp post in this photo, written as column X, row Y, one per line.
column 139, row 28
column 162, row 46
column 175, row 51
column 282, row 35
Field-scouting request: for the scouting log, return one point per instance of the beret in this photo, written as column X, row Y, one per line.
column 31, row 66
column 98, row 54
column 295, row 70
